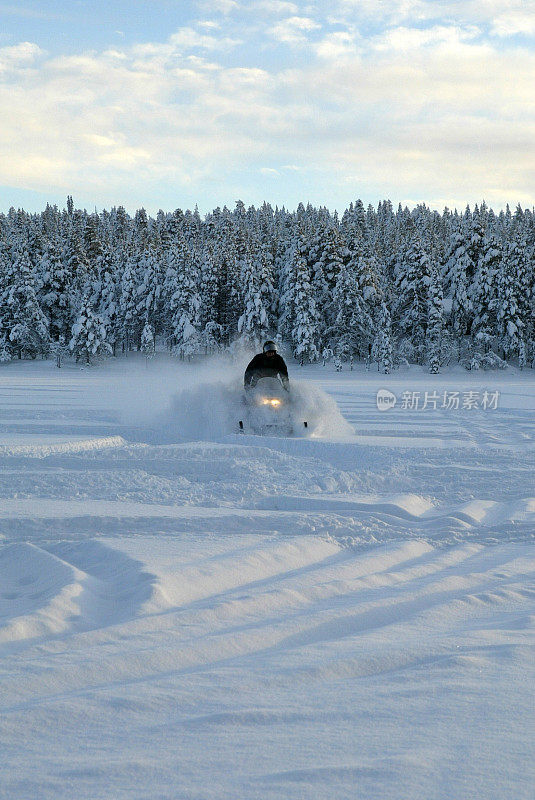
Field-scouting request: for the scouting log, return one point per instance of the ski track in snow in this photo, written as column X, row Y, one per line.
column 200, row 614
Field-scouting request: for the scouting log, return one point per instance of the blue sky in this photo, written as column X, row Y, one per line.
column 170, row 103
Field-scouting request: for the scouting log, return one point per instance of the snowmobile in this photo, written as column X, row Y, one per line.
column 268, row 408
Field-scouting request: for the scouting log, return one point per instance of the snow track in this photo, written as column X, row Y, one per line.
column 257, row 618
column 265, row 653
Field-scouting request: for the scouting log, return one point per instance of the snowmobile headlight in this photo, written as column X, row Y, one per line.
column 274, row 401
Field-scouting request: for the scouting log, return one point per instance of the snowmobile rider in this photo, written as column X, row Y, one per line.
column 268, row 364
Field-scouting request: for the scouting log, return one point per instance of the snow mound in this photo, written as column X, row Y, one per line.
column 40, row 593
column 67, row 587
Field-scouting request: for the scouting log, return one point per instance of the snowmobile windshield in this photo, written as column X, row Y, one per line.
column 270, row 384
column 268, row 392
column 267, row 380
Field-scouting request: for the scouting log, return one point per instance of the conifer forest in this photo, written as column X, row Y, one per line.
column 376, row 284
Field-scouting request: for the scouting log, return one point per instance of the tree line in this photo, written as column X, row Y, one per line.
column 372, row 283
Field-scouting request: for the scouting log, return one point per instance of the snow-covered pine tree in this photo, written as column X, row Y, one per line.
column 5, row 352
column 522, row 266
column 363, row 272
column 352, row 331
column 312, row 245
column 521, row 353
column 359, row 218
column 326, row 355
column 120, row 232
column 332, row 255
column 55, row 295
column 24, row 325
column 369, row 274
column 294, row 251
column 457, row 270
column 75, row 263
column 108, row 298
column 88, row 341
column 229, row 252
column 93, row 244
column 129, row 321
column 175, row 262
column 61, row 350
column 382, row 345
column 305, row 332
column 255, row 322
column 104, row 249
column 211, row 333
column 386, row 232
column 475, row 235
column 509, row 320
column 150, row 289
column 147, row 340
column 435, row 320
column 484, row 326
column 141, row 230
column 185, row 303
column 5, row 315
column 411, row 293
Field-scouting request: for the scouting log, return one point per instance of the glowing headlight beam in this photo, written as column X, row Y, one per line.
column 271, row 401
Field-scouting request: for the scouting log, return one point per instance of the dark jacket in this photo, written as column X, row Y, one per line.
column 264, row 366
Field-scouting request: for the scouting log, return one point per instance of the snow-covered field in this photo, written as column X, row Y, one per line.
column 187, row 612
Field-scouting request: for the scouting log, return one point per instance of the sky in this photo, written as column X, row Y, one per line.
column 168, row 104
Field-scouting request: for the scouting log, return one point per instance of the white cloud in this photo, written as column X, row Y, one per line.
column 402, row 112
column 221, row 6
column 177, row 51
column 189, row 39
column 118, row 54
column 294, row 30
column 405, row 39
column 276, row 7
column 210, row 24
column 125, row 157
column 513, row 23
column 503, row 15
column 337, row 45
column 145, row 112
column 393, row 12
column 101, row 141
column 438, row 114
column 19, row 55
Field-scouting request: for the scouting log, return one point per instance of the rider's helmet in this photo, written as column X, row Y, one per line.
column 270, row 347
